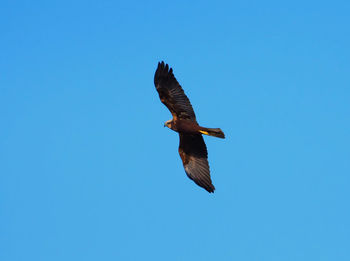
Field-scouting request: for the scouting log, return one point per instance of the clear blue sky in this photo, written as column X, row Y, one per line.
column 87, row 171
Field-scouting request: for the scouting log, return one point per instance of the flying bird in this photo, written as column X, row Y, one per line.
column 192, row 149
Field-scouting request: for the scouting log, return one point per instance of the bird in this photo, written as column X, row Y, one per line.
column 192, row 149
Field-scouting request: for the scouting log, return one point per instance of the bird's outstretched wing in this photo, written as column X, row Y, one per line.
column 194, row 156
column 171, row 93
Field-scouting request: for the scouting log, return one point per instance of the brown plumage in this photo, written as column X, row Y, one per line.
column 192, row 149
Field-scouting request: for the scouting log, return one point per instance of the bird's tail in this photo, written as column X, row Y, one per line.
column 216, row 132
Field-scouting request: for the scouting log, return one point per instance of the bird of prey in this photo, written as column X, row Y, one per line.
column 192, row 149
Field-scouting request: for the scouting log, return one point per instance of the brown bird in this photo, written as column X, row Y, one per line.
column 192, row 149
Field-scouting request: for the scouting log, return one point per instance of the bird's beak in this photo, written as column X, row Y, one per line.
column 164, row 125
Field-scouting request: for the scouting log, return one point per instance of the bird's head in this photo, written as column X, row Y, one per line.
column 168, row 124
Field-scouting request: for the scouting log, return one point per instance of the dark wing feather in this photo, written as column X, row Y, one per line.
column 171, row 93
column 194, row 156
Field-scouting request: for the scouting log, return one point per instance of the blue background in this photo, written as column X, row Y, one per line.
column 87, row 171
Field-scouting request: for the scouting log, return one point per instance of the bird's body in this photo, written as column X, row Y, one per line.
column 192, row 149
column 185, row 126
column 191, row 127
